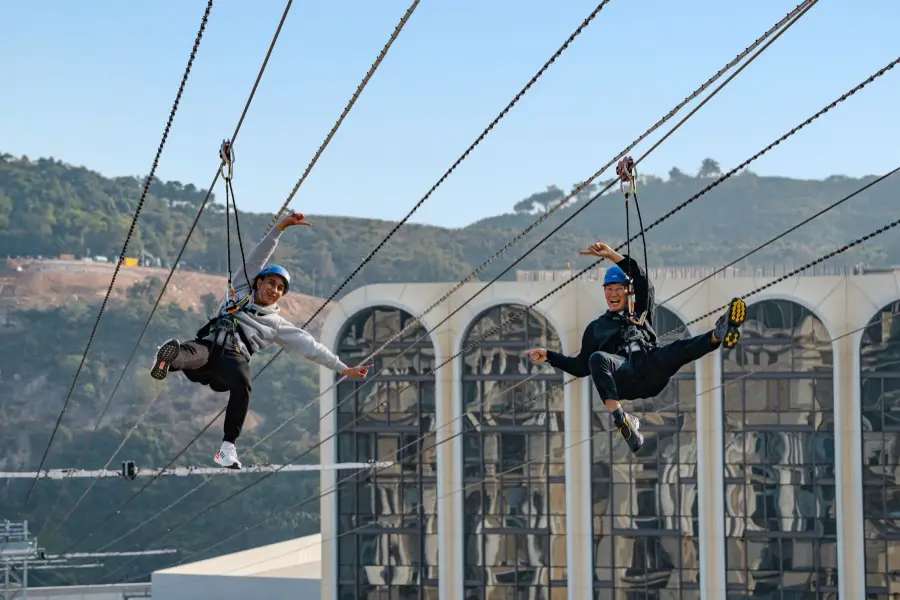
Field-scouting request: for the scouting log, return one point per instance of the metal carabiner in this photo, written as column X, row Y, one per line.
column 226, row 154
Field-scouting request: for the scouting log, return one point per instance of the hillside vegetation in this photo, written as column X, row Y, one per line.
column 48, row 208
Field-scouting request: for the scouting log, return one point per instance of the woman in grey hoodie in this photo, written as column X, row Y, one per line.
column 243, row 325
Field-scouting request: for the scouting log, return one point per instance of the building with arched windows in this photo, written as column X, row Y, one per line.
column 771, row 470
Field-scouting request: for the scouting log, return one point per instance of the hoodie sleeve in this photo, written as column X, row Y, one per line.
column 291, row 337
column 256, row 260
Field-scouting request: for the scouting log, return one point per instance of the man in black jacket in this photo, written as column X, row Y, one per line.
column 622, row 356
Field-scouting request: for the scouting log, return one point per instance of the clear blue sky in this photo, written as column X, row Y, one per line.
column 91, row 83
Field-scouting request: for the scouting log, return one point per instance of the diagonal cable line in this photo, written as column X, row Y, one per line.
column 333, row 489
column 581, row 27
column 319, row 152
column 346, row 111
column 799, row 12
column 488, row 334
column 137, row 213
column 446, row 175
column 771, row 241
column 181, row 251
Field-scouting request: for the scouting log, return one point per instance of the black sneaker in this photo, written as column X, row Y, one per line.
column 727, row 328
column 630, row 430
column 165, row 354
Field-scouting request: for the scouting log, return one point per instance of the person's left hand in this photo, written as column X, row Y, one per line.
column 359, row 372
column 293, row 219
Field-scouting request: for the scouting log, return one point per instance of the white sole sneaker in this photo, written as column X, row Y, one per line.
column 223, row 461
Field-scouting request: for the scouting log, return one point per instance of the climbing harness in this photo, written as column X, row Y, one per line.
column 224, row 327
column 636, row 338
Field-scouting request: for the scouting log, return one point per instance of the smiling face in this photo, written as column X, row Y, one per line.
column 616, row 296
column 269, row 290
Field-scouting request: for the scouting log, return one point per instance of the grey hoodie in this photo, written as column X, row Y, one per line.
column 262, row 325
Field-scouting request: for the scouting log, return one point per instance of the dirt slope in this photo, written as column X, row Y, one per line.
column 47, row 283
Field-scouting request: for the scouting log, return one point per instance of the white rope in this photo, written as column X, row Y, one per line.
column 185, row 471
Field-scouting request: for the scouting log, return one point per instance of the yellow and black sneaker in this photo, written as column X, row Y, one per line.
column 728, row 327
column 629, row 428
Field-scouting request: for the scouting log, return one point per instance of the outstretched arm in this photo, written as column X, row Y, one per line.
column 262, row 252
column 291, row 337
column 578, row 365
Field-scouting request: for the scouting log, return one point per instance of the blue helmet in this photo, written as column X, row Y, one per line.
column 276, row 270
column 615, row 274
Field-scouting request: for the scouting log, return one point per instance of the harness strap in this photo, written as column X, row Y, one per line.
column 223, row 330
column 636, row 338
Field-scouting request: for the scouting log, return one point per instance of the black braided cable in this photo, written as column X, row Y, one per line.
column 137, row 213
column 805, row 5
column 177, row 260
column 794, row 15
column 450, row 171
column 347, row 108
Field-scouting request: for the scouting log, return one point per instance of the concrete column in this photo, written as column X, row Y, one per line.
column 451, row 540
column 579, row 534
column 328, row 502
column 848, row 466
column 711, row 476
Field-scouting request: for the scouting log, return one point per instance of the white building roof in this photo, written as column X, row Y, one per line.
column 300, row 558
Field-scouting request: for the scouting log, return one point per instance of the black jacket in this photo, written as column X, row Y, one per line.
column 606, row 333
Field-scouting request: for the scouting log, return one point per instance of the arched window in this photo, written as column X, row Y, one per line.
column 387, row 518
column 880, row 375
column 780, row 511
column 514, row 460
column 645, row 504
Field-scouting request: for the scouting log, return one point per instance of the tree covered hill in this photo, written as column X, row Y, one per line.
column 48, row 208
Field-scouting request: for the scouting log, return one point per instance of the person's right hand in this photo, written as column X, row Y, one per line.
column 359, row 372
column 537, row 354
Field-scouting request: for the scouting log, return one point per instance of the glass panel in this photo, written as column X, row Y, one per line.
column 780, row 511
column 387, row 519
column 514, row 460
column 880, row 366
column 645, row 523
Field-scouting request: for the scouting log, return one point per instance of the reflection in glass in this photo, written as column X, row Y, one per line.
column 780, row 511
column 514, row 461
column 645, row 505
column 387, row 519
column 880, row 374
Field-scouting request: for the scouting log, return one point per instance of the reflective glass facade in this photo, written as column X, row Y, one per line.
column 387, row 519
column 514, row 509
column 780, row 511
column 880, row 375
column 645, row 505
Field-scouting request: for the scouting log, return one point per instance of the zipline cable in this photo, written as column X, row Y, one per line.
column 137, row 213
column 481, row 290
column 227, row 155
column 530, row 307
column 446, row 175
column 812, row 217
column 190, row 233
column 294, row 507
column 321, row 149
column 581, row 27
column 801, row 9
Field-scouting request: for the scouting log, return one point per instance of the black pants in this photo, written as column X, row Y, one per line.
column 227, row 372
column 649, row 372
